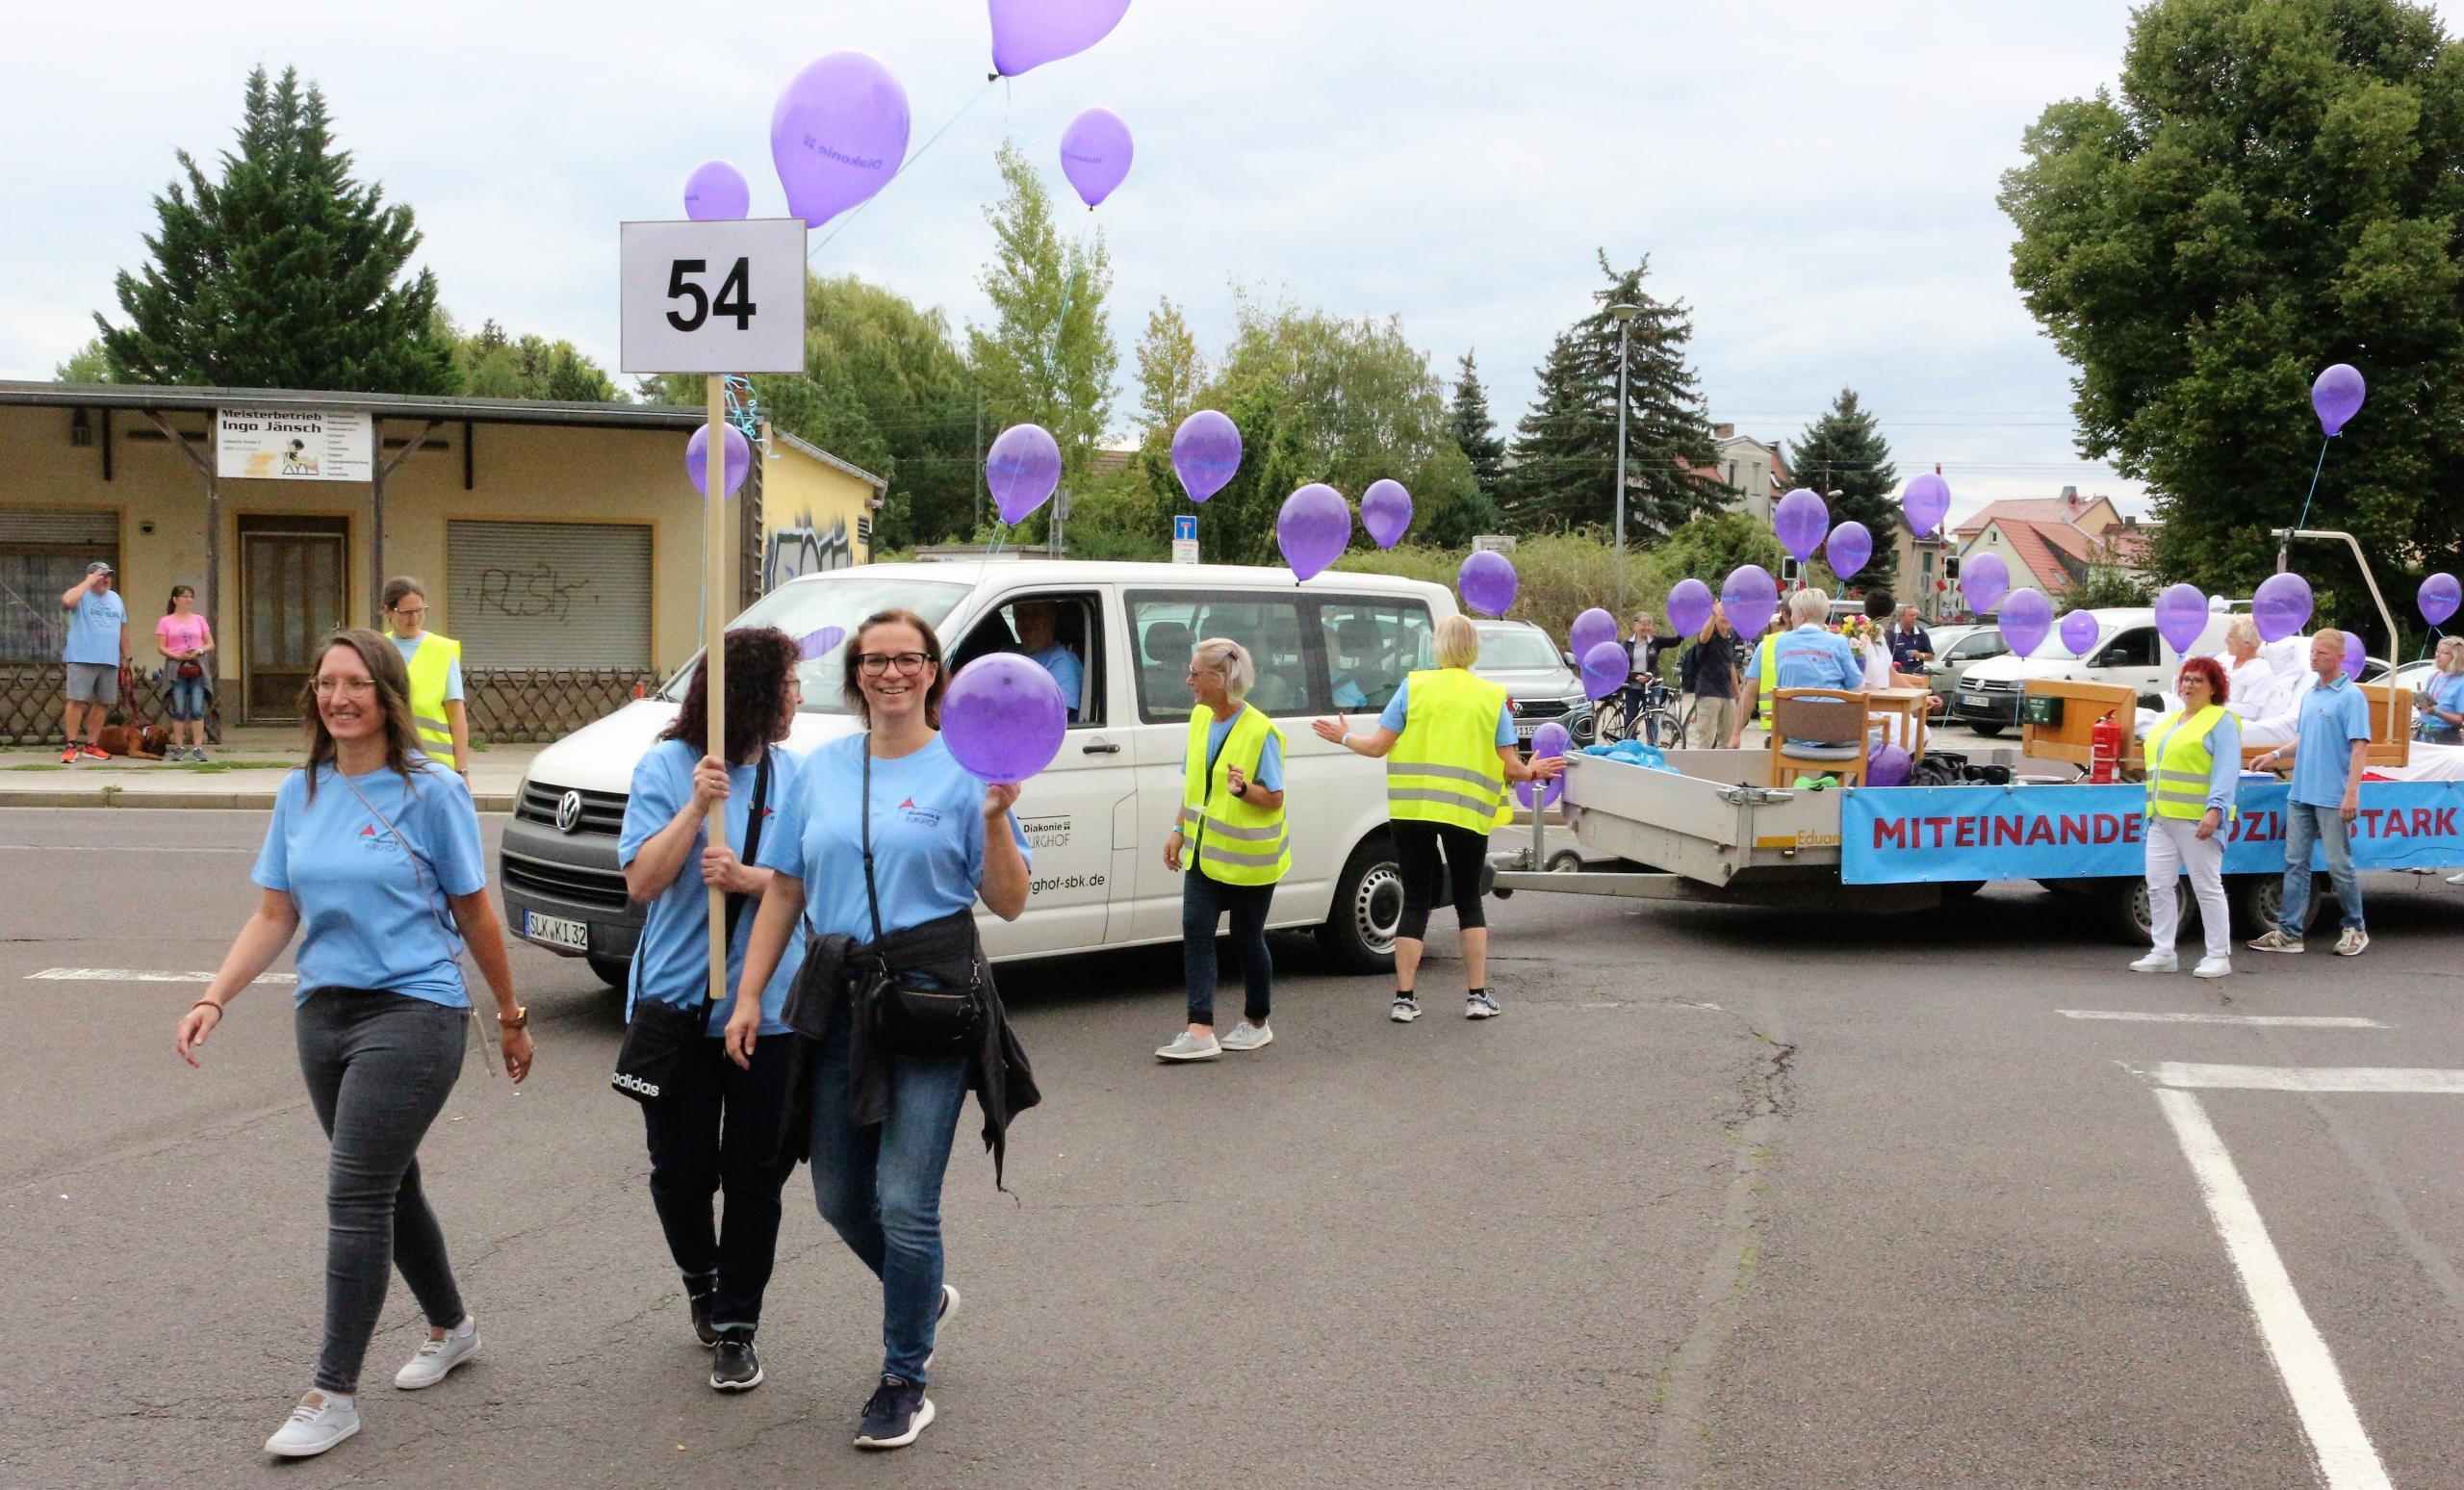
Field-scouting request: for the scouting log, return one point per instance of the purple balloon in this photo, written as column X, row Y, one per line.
column 1487, row 582
column 1095, row 152
column 2337, row 395
column 2078, row 632
column 1604, row 669
column 1850, row 545
column 1886, row 766
column 1689, row 608
column 2181, row 614
column 2027, row 616
column 821, row 643
column 1800, row 518
column 1750, row 596
column 1984, row 582
column 1313, row 530
column 1926, row 502
column 697, row 459
column 839, row 134
column 716, row 192
column 1022, row 469
column 2354, row 655
column 1550, row 739
column 2438, row 598
column 1027, row 33
column 1003, row 718
column 1206, row 453
column 1386, row 511
column 2281, row 607
column 1590, row 628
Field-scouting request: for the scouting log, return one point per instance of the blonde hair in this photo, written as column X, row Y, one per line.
column 1808, row 604
column 2245, row 631
column 1226, row 657
column 1458, row 642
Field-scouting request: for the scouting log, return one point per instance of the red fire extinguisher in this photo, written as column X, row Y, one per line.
column 2104, row 750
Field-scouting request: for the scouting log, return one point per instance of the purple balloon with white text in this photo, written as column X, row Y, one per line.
column 2181, row 614
column 1689, row 608
column 1487, row 582
column 1800, row 518
column 1027, row 33
column 1095, row 152
column 1206, row 453
column 1606, row 668
column 2027, row 618
column 2282, row 606
column 1313, row 530
column 1848, row 548
column 1984, row 582
column 1590, row 628
column 1926, row 502
column 838, row 135
column 2078, row 632
column 1386, row 511
column 697, row 459
column 1022, row 469
column 1003, row 718
column 820, row 644
column 716, row 192
column 2438, row 598
column 2337, row 395
column 2356, row 657
column 1749, row 595
column 1550, row 741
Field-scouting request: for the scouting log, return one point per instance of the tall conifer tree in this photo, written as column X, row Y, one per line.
column 1844, row 451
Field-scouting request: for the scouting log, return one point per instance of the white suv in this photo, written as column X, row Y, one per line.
column 2127, row 650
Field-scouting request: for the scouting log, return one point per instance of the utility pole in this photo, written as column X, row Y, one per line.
column 1625, row 315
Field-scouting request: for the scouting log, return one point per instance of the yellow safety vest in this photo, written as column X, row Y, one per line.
column 431, row 667
column 1446, row 769
column 2179, row 760
column 1233, row 839
column 1767, row 651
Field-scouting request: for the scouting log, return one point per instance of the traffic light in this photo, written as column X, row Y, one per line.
column 1951, row 568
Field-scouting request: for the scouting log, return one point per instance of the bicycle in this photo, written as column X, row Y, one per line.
column 1648, row 713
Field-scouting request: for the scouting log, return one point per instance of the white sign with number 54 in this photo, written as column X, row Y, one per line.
column 714, row 297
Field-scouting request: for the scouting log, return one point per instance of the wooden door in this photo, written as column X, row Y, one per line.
column 292, row 592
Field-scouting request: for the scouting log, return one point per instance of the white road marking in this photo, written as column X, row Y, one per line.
column 2347, row 1461
column 138, row 975
column 2299, row 1021
column 124, row 848
column 2309, row 1078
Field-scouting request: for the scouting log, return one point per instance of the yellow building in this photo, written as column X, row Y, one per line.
column 560, row 543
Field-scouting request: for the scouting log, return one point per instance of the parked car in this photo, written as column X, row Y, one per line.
column 2127, row 650
column 1956, row 650
column 1099, row 815
column 1539, row 680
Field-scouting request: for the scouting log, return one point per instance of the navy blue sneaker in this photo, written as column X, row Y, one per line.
column 897, row 1414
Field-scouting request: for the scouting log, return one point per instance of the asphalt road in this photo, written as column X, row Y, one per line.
column 1730, row 1199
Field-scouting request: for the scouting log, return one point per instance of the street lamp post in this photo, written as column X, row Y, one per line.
column 1624, row 314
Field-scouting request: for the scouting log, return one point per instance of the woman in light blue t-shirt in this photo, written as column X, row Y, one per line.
column 373, row 858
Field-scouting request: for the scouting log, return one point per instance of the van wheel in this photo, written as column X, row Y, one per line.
column 2258, row 899
column 1359, row 931
column 614, row 971
column 2126, row 913
column 1991, row 732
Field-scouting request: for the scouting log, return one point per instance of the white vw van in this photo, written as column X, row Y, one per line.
column 1099, row 815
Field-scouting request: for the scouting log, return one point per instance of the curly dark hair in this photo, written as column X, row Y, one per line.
column 761, row 664
column 2219, row 689
column 855, row 652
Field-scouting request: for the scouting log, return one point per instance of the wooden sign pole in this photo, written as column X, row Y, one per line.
column 718, row 584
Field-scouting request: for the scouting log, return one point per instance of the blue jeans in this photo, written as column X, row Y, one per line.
column 880, row 1188
column 1203, row 901
column 2303, row 826
column 184, row 697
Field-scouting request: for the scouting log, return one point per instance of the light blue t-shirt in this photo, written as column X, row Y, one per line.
column 1398, row 712
column 409, row 647
column 672, row 964
column 2444, row 691
column 928, row 837
column 1270, row 773
column 2333, row 716
column 1811, row 658
column 1066, row 670
column 93, row 629
column 369, row 917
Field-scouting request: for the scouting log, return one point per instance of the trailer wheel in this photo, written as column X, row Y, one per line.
column 1961, row 890
column 1358, row 935
column 1565, row 862
column 614, row 971
column 1988, row 730
column 2126, row 913
column 2258, row 899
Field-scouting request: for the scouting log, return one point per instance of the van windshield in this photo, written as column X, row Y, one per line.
column 807, row 609
column 1518, row 649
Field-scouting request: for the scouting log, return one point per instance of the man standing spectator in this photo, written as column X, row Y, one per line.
column 2328, row 757
column 1911, row 649
column 96, row 652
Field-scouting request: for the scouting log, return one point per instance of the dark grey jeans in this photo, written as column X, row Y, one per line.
column 379, row 1067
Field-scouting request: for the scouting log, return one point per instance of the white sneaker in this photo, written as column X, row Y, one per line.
column 1186, row 1046
column 2213, row 968
column 1480, row 1006
column 1406, row 1009
column 436, row 1358
column 1245, row 1036
column 2353, row 943
column 2455, row 879
column 321, row 1421
column 2157, row 961
column 940, row 1319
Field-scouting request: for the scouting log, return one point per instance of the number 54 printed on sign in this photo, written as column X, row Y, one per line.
column 714, row 297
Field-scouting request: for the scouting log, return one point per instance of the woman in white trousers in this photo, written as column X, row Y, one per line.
column 2190, row 812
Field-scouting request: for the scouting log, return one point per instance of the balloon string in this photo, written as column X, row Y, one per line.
column 902, row 170
column 2314, row 485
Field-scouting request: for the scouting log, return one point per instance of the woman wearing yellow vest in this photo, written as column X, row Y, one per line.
column 436, row 674
column 1447, row 739
column 1229, row 845
column 2194, row 769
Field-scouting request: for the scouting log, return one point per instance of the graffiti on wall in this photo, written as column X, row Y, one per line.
column 806, row 549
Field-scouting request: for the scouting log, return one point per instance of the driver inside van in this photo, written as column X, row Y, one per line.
column 1362, row 671
column 1036, row 623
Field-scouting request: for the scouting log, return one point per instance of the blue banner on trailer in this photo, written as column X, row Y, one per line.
column 1919, row 834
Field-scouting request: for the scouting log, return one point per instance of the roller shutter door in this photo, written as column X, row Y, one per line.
column 549, row 594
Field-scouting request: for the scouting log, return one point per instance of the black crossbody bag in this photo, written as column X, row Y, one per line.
column 662, row 1037
column 917, row 1014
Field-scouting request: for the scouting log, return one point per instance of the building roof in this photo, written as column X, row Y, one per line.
column 827, row 459
column 2067, row 510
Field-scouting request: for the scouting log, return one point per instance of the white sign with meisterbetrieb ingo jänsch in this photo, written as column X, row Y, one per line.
column 713, row 296
column 293, row 445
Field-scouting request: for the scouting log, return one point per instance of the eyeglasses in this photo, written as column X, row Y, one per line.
column 875, row 663
column 346, row 687
column 410, row 611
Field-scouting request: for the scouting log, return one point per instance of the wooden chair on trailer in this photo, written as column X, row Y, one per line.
column 2391, row 724
column 1818, row 714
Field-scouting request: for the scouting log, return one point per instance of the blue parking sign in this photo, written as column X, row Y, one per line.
column 1185, row 527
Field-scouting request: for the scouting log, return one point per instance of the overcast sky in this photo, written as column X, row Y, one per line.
column 1815, row 181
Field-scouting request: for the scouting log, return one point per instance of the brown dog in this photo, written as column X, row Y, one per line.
column 146, row 744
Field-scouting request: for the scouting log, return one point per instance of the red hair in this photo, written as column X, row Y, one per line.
column 2214, row 672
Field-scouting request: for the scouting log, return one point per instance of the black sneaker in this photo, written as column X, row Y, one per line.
column 897, row 1413
column 738, row 1367
column 698, row 1293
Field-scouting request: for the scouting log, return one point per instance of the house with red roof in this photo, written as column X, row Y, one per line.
column 2051, row 543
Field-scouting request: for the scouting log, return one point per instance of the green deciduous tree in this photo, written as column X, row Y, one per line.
column 2274, row 189
column 88, row 364
column 1171, row 370
column 1474, row 434
column 1565, row 449
column 495, row 366
column 1843, row 451
column 1048, row 357
column 284, row 274
column 1708, row 547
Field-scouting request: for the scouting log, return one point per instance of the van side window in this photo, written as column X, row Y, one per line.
column 1062, row 632
column 2134, row 649
column 1370, row 646
column 1167, row 624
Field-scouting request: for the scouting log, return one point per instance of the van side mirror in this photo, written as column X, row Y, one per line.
column 1571, row 664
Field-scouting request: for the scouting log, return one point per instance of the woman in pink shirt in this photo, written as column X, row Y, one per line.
column 184, row 641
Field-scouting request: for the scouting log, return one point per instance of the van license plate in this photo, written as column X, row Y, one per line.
column 556, row 930
column 1972, row 699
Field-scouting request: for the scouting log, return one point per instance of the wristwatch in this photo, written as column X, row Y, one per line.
column 521, row 1019
column 1242, row 791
